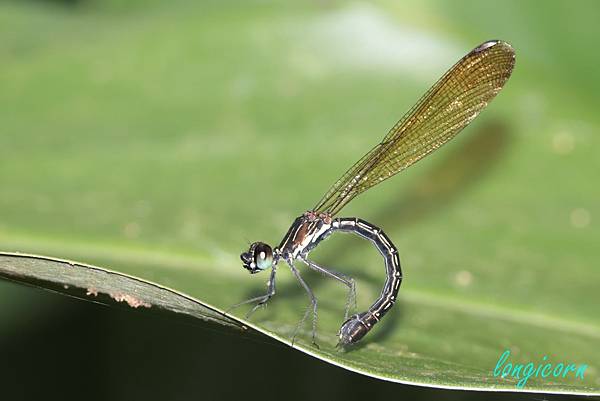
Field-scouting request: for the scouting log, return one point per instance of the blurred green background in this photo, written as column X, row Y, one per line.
column 158, row 138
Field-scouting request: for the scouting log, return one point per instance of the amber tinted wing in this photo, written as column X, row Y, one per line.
column 449, row 106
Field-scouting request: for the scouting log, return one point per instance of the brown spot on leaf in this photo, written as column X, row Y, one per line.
column 130, row 299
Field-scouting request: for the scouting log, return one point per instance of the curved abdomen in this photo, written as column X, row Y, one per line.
column 357, row 326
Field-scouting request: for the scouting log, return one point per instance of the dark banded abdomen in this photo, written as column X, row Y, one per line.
column 357, row 326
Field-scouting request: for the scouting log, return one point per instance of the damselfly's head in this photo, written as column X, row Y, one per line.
column 258, row 258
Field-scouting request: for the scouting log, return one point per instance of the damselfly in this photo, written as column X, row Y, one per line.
column 449, row 106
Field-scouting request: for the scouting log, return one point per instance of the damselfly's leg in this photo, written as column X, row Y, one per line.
column 347, row 280
column 313, row 306
column 260, row 301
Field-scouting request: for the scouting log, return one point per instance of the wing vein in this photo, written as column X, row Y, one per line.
column 445, row 109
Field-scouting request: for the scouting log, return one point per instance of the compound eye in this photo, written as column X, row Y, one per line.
column 263, row 256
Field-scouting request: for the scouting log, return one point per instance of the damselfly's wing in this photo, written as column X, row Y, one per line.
column 449, row 106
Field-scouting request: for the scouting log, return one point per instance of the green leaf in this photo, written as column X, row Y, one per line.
column 159, row 149
column 104, row 286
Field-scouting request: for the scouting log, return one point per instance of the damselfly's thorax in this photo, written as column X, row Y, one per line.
column 304, row 234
